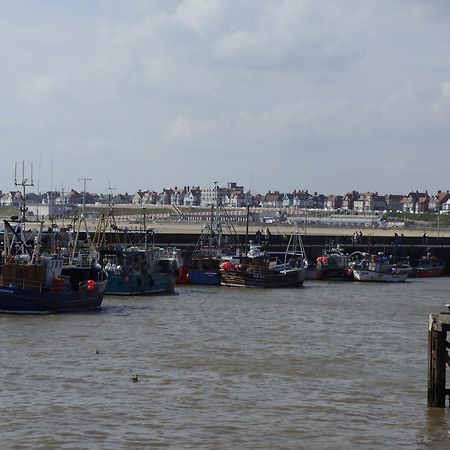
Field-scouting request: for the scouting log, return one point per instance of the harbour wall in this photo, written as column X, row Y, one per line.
column 413, row 247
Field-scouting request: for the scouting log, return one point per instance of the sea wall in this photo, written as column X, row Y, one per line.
column 412, row 246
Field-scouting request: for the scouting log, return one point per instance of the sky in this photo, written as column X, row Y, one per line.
column 329, row 96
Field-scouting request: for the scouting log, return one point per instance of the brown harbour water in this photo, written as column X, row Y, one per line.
column 330, row 365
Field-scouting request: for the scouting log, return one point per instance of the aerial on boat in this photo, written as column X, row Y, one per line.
column 134, row 268
column 380, row 268
column 259, row 268
column 38, row 278
column 213, row 247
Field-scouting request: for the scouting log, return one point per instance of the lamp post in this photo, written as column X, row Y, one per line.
column 216, row 202
column 24, row 183
column 438, row 219
column 84, row 192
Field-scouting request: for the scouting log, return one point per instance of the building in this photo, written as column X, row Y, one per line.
column 165, row 197
column 214, row 196
column 348, row 201
column 438, row 200
column 273, row 200
column 393, row 202
column 318, row 201
column 333, row 202
column 369, row 202
column 12, row 198
column 415, row 202
column 193, row 196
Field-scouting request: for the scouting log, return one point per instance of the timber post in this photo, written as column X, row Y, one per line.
column 439, row 325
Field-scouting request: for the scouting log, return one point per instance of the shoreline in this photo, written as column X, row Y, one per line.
column 195, row 227
column 282, row 229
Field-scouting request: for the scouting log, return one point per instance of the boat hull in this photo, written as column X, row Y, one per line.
column 428, row 267
column 372, row 275
column 427, row 273
column 141, row 284
column 208, row 278
column 286, row 279
column 333, row 275
column 182, row 275
column 25, row 301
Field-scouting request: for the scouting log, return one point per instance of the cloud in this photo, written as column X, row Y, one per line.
column 179, row 130
column 296, row 83
column 441, row 106
column 41, row 88
column 289, row 33
column 192, row 131
column 446, row 90
column 199, row 16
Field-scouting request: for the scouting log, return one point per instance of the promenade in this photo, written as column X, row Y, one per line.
column 165, row 226
column 185, row 227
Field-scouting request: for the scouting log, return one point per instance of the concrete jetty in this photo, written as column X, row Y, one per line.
column 438, row 358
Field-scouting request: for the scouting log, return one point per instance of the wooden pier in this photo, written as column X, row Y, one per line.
column 438, row 358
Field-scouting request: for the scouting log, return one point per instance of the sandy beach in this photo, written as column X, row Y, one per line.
column 195, row 227
column 281, row 229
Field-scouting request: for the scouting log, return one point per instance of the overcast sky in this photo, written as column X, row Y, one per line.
column 322, row 95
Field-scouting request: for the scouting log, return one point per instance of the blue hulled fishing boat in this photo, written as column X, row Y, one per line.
column 134, row 269
column 212, row 249
column 140, row 271
column 35, row 280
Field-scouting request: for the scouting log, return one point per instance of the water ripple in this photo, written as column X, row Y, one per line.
column 333, row 365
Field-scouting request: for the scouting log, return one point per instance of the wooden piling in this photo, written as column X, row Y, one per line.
column 439, row 325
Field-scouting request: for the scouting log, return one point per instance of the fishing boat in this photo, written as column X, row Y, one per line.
column 428, row 266
column 205, row 270
column 212, row 248
column 258, row 268
column 333, row 264
column 134, row 269
column 182, row 275
column 380, row 268
column 36, row 280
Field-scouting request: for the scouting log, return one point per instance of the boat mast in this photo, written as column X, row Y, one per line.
column 81, row 220
column 106, row 224
column 211, row 230
column 23, row 207
column 19, row 242
column 295, row 247
column 24, row 183
column 246, row 229
column 144, row 224
column 84, row 180
column 214, row 223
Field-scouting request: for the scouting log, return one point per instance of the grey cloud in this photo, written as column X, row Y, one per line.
column 323, row 95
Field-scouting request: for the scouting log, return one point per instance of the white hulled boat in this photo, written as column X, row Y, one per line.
column 380, row 268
